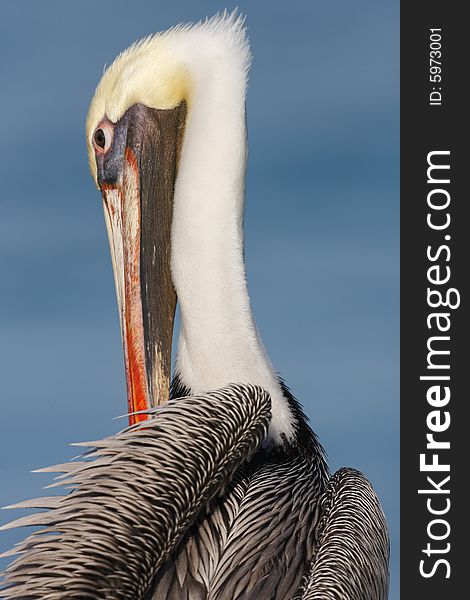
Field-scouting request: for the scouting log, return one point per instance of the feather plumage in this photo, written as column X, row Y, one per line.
column 135, row 496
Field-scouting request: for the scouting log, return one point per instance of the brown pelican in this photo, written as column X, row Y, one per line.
column 224, row 492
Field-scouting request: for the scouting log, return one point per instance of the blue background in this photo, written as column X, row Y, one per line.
column 321, row 226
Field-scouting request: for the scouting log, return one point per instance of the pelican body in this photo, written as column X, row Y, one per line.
column 218, row 489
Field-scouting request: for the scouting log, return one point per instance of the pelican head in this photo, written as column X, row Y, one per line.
column 125, row 137
column 167, row 147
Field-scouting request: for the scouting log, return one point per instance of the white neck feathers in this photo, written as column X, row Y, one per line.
column 219, row 343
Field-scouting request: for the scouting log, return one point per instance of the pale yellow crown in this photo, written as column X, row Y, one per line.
column 154, row 71
column 145, row 73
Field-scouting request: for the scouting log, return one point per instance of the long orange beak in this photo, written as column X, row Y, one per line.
column 123, row 221
column 137, row 168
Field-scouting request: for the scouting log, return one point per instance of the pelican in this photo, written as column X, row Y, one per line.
column 218, row 489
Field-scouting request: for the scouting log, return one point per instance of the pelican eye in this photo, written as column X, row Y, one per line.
column 103, row 136
column 100, row 138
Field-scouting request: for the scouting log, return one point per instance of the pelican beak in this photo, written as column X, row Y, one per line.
column 137, row 160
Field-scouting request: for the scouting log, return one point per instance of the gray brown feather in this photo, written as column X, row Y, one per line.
column 135, row 496
column 256, row 541
column 351, row 561
column 172, row 510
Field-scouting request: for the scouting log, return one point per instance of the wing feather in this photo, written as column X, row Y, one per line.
column 134, row 499
column 351, row 560
column 255, row 542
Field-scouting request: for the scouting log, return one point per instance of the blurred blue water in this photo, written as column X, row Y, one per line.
column 321, row 226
